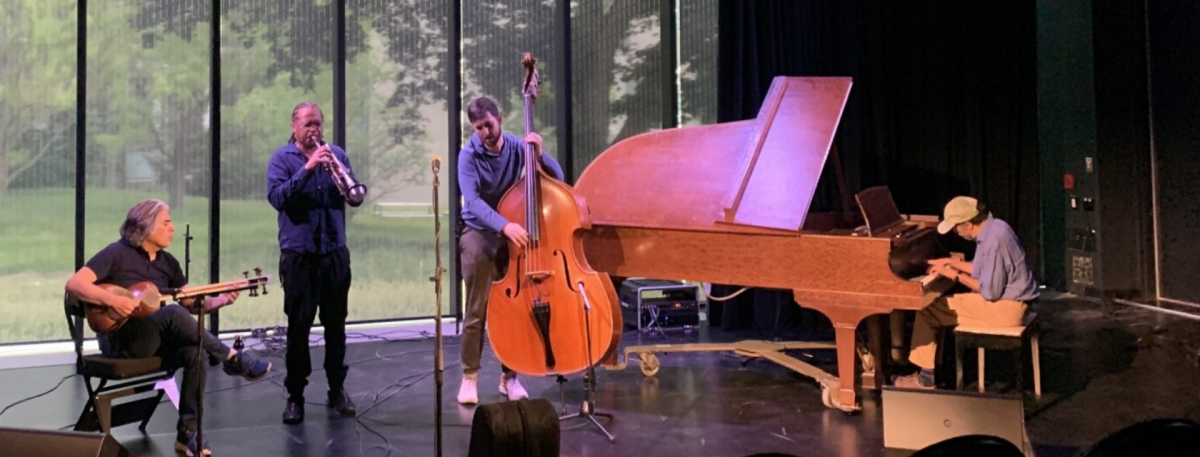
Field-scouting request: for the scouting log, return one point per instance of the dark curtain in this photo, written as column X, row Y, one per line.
column 944, row 98
column 1174, row 37
column 943, row 104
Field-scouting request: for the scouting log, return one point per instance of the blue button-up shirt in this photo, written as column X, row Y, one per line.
column 312, row 213
column 1000, row 264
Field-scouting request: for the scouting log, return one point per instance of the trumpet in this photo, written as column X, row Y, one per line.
column 353, row 192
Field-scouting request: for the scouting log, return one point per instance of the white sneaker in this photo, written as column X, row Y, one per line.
column 511, row 387
column 468, row 392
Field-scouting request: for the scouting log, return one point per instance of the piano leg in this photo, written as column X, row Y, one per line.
column 847, row 370
column 846, row 323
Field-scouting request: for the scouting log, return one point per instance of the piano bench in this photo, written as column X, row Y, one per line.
column 1013, row 339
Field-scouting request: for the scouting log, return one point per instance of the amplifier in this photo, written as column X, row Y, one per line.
column 54, row 443
column 652, row 303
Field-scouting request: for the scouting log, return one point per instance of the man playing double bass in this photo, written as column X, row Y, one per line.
column 491, row 162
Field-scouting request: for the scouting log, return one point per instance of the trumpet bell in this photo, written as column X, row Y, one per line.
column 356, row 194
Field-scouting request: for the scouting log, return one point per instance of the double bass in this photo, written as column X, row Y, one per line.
column 551, row 313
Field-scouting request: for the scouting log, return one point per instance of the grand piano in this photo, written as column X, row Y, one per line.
column 729, row 204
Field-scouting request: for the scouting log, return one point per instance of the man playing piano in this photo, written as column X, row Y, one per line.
column 170, row 332
column 489, row 164
column 1000, row 280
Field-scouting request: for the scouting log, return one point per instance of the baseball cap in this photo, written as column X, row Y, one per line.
column 959, row 210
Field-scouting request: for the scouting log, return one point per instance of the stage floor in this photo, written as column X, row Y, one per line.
column 1103, row 368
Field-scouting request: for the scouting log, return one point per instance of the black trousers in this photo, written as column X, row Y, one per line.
column 171, row 334
column 315, row 285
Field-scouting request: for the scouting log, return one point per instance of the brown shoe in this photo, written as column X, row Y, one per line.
column 912, row 381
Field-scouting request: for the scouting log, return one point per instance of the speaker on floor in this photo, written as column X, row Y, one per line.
column 919, row 419
column 525, row 428
column 53, row 443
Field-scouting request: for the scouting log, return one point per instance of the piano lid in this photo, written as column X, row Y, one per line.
column 756, row 174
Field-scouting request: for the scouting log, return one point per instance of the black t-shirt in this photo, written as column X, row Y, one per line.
column 124, row 265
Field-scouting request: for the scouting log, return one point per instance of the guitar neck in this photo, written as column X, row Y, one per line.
column 213, row 289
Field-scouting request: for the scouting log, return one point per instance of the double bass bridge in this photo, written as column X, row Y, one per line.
column 539, row 276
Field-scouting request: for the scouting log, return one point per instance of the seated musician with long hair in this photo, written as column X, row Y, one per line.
column 170, row 332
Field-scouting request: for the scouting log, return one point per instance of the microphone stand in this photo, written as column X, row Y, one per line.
column 187, row 252
column 588, row 409
column 200, row 372
column 437, row 315
column 187, row 262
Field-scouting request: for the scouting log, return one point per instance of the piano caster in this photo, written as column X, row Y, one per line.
column 829, row 397
column 648, row 363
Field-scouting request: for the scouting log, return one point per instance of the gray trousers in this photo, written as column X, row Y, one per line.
column 483, row 258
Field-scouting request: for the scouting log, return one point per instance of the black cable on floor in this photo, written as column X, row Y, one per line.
column 56, row 386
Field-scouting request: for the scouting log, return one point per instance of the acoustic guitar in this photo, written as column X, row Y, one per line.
column 104, row 319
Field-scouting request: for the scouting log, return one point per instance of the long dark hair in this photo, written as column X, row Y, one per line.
column 139, row 222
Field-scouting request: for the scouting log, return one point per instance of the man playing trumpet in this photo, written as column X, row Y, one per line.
column 314, row 263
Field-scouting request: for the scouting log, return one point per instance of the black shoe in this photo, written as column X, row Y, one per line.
column 247, row 367
column 294, row 414
column 341, row 402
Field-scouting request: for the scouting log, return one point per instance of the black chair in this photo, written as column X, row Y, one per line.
column 1019, row 340
column 973, row 446
column 1158, row 438
column 135, row 382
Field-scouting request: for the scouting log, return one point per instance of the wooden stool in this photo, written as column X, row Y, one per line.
column 1001, row 338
